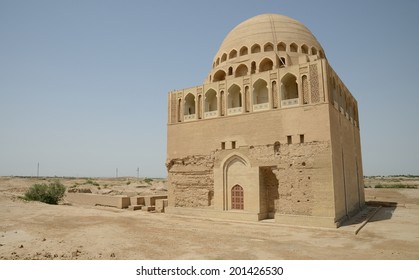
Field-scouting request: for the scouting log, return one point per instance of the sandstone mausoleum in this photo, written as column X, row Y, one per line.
column 272, row 133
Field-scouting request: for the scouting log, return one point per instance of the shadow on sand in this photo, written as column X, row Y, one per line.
column 374, row 211
column 386, row 211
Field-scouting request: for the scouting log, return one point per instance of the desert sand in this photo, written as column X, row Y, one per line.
column 34, row 230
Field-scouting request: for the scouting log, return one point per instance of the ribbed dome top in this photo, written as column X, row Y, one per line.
column 267, row 28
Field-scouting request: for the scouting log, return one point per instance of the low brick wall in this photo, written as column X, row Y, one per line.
column 118, row 201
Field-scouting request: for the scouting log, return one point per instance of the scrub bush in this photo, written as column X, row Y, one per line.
column 51, row 193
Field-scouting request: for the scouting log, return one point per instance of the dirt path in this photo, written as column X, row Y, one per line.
column 32, row 230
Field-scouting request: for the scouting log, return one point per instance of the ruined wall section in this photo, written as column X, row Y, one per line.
column 302, row 177
column 299, row 172
column 191, row 181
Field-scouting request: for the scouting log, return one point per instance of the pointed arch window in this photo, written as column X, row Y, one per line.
column 266, row 65
column 289, row 90
column 189, row 104
column 243, row 51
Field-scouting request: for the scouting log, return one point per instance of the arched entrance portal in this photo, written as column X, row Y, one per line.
column 237, row 198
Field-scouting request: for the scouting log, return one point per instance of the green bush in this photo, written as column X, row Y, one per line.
column 148, row 180
column 91, row 182
column 51, row 193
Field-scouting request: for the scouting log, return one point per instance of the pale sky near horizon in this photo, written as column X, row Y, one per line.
column 83, row 84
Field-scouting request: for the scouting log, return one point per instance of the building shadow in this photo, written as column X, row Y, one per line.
column 386, row 211
column 373, row 213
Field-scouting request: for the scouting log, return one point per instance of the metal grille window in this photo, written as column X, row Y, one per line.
column 237, row 198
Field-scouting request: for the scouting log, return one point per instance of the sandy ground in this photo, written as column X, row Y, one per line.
column 33, row 230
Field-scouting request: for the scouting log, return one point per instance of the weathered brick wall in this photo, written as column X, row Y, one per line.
column 191, row 182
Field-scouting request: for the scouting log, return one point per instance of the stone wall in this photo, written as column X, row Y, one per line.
column 287, row 173
column 118, row 201
column 191, row 181
column 296, row 172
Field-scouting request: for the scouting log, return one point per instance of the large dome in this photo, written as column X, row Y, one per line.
column 265, row 33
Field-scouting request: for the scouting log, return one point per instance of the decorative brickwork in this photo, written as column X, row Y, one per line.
column 314, row 84
column 274, row 94
column 305, row 89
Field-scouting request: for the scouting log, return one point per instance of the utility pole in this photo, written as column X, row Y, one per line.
column 37, row 171
column 117, row 173
column 138, row 172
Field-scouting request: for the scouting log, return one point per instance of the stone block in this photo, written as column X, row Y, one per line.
column 147, row 208
column 161, row 204
column 134, row 207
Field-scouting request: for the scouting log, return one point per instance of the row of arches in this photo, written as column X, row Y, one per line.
column 243, row 69
column 340, row 98
column 268, row 47
column 259, row 95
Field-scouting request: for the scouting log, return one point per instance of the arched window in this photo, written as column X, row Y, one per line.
column 241, row 71
column 222, row 103
column 321, row 54
column 293, row 47
column 224, row 57
column 234, row 97
column 230, row 71
column 253, row 68
column 313, row 50
column 266, row 65
column 282, row 47
column 210, row 101
column 260, row 92
column 246, row 99
column 268, row 47
column 200, row 106
column 281, row 62
column 243, row 51
column 189, row 104
column 179, row 110
column 217, row 62
column 289, row 87
column 237, row 198
column 274, row 95
column 220, row 75
column 304, row 49
column 255, row 48
column 232, row 54
column 277, row 147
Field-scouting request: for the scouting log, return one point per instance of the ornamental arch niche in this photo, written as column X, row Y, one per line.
column 255, row 48
column 234, row 99
column 210, row 100
column 189, row 104
column 243, row 51
column 266, row 65
column 224, row 57
column 236, row 178
column 220, row 75
column 268, row 47
column 241, row 71
column 282, row 47
column 260, row 92
column 289, row 87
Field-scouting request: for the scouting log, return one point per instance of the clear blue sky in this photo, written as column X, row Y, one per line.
column 83, row 84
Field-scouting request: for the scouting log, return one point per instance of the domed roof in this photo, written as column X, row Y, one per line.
column 268, row 28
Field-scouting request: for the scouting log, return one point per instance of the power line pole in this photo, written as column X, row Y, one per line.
column 37, row 171
column 117, row 173
column 138, row 172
